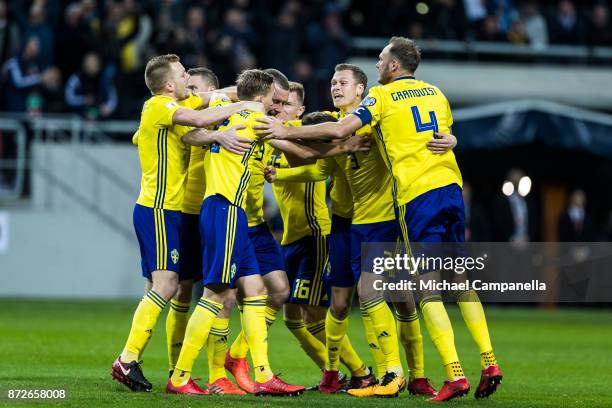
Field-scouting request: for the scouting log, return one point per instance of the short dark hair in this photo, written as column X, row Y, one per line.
column 314, row 118
column 298, row 89
column 279, row 78
column 358, row 73
column 207, row 75
column 157, row 71
column 406, row 52
column 252, row 83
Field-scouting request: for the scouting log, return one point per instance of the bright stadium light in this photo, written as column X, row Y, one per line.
column 524, row 186
column 422, row 8
column 508, row 188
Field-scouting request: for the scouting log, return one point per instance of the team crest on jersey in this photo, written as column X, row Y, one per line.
column 175, row 256
column 233, row 271
column 171, row 105
column 369, row 101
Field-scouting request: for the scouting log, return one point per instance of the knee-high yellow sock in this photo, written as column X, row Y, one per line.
column 255, row 330
column 216, row 347
column 240, row 346
column 270, row 316
column 377, row 354
column 335, row 330
column 309, row 343
column 176, row 323
column 442, row 336
column 383, row 323
column 145, row 318
column 409, row 331
column 198, row 328
column 348, row 355
column 476, row 322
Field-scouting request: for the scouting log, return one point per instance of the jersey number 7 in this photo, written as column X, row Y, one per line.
column 424, row 127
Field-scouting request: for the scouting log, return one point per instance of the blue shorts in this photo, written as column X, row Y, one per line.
column 340, row 274
column 191, row 249
column 267, row 250
column 307, row 260
column 159, row 236
column 437, row 216
column 227, row 251
column 385, row 231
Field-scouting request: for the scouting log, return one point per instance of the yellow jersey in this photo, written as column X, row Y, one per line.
column 404, row 114
column 255, row 190
column 163, row 155
column 228, row 174
column 196, row 181
column 302, row 205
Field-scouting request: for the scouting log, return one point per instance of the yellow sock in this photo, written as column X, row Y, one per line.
column 409, row 331
column 198, row 328
column 216, row 347
column 383, row 323
column 270, row 316
column 309, row 343
column 240, row 346
column 254, row 326
column 335, row 332
column 176, row 323
column 377, row 354
column 441, row 333
column 317, row 329
column 145, row 318
column 476, row 322
column 350, row 358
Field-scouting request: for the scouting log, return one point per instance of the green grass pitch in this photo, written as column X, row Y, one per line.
column 557, row 358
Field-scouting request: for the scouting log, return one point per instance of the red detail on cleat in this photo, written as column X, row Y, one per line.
column 329, row 382
column 277, row 387
column 490, row 378
column 452, row 389
column 224, row 386
column 421, row 386
column 191, row 388
column 239, row 367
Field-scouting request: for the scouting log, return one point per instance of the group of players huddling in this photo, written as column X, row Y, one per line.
column 205, row 153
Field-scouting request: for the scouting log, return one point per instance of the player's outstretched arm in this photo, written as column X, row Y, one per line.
column 318, row 150
column 272, row 128
column 301, row 174
column 229, row 139
column 209, row 117
column 229, row 91
column 442, row 143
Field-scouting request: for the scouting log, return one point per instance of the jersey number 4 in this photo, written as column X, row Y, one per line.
column 424, row 127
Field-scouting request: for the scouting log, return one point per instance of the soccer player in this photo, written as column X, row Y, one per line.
column 157, row 218
column 229, row 259
column 200, row 80
column 305, row 249
column 427, row 188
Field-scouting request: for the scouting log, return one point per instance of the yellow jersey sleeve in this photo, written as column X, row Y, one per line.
column 310, row 172
column 255, row 191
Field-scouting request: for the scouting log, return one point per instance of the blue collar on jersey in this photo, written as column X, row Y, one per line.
column 404, row 77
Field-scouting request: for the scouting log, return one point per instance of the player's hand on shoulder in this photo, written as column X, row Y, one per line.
column 442, row 143
column 270, row 174
column 357, row 143
column 271, row 128
column 232, row 142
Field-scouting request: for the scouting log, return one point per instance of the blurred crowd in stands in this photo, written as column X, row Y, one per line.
column 87, row 56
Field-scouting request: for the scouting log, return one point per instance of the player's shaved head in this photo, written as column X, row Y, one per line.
column 158, row 71
column 358, row 73
column 279, row 78
column 314, row 118
column 207, row 75
column 406, row 52
column 252, row 83
column 298, row 89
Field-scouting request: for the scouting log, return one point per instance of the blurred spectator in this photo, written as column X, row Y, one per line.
column 90, row 92
column 600, row 30
column 534, row 26
column 39, row 27
column 22, row 78
column 565, row 27
column 449, row 20
column 514, row 218
column 236, row 41
column 505, row 12
column 52, row 92
column 575, row 225
column 476, row 225
column 489, row 30
column 475, row 13
column 9, row 35
column 282, row 34
column 76, row 32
